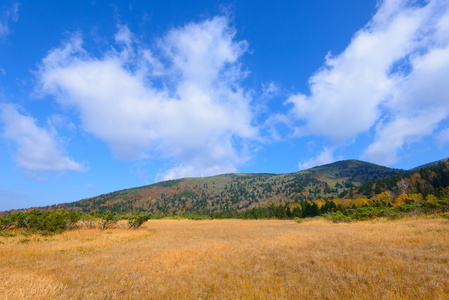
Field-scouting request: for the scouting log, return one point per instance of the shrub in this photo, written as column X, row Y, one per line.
column 107, row 220
column 51, row 221
column 135, row 221
column 5, row 223
column 196, row 217
column 18, row 220
column 338, row 217
column 89, row 220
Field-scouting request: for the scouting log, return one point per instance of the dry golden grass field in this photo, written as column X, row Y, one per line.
column 232, row 259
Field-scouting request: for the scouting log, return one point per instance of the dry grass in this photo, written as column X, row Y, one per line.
column 404, row 259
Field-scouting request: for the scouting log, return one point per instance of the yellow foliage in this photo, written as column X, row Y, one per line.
column 320, row 202
column 407, row 198
column 415, row 182
column 431, row 198
column 416, row 198
column 361, row 201
column 358, row 202
column 401, row 200
column 343, row 202
column 292, row 206
column 382, row 197
column 337, row 201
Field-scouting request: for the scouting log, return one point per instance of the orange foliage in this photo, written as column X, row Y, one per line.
column 407, row 198
column 401, row 200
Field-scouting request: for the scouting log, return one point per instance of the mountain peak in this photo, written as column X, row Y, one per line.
column 237, row 192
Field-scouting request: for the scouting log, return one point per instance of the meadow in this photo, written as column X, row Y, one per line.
column 231, row 259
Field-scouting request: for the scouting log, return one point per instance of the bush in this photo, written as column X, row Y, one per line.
column 365, row 213
column 50, row 221
column 89, row 220
column 135, row 221
column 17, row 220
column 6, row 223
column 435, row 206
column 107, row 220
column 338, row 217
column 196, row 217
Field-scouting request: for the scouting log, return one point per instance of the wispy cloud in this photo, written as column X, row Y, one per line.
column 37, row 149
column 8, row 15
column 443, row 137
column 179, row 99
column 392, row 78
column 323, row 158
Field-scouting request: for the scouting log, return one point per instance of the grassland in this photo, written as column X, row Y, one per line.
column 268, row 259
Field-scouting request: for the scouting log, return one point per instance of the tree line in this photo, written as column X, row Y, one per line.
column 57, row 221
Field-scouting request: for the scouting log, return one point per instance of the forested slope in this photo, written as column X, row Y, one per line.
column 239, row 192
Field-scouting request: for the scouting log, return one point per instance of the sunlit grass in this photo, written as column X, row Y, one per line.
column 231, row 259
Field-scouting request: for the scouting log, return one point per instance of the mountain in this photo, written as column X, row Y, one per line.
column 428, row 180
column 354, row 170
column 238, row 192
column 430, row 164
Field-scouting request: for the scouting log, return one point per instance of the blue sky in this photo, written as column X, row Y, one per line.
column 98, row 96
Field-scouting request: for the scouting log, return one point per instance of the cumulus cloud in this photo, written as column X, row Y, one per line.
column 391, row 78
column 38, row 149
column 179, row 99
column 10, row 14
column 323, row 158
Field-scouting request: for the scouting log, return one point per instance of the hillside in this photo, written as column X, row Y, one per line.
column 434, row 163
column 353, row 170
column 238, row 192
column 432, row 179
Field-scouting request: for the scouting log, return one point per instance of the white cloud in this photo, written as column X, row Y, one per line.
column 37, row 148
column 392, row 136
column 393, row 72
column 443, row 137
column 57, row 121
column 325, row 157
column 180, row 99
column 269, row 90
column 10, row 14
column 183, row 171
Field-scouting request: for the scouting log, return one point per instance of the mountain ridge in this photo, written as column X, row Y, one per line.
column 429, row 164
column 346, row 183
column 236, row 191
